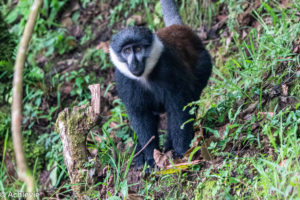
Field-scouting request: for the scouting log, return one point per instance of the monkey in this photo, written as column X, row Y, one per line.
column 160, row 73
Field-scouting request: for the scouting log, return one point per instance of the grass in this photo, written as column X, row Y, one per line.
column 255, row 154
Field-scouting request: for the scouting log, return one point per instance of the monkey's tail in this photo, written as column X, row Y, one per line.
column 170, row 12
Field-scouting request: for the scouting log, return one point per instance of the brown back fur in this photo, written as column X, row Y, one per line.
column 184, row 41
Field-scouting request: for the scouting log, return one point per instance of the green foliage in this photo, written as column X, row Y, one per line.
column 95, row 56
column 5, row 122
column 46, row 41
column 7, row 47
column 278, row 178
column 197, row 13
column 125, row 7
column 81, row 80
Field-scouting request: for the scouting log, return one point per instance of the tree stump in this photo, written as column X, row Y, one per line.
column 73, row 126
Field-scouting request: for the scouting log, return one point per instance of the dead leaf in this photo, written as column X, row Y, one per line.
column 135, row 196
column 113, row 125
column 228, row 39
column 198, row 137
column 212, row 33
column 265, row 114
column 222, row 18
column 77, row 32
column 284, row 99
column 284, row 4
column 94, row 152
column 249, row 109
column 67, row 23
column 103, row 46
column 129, row 144
column 162, row 159
column 248, row 117
column 221, row 131
column 96, row 138
column 136, row 19
column 205, row 153
column 285, row 89
column 71, row 8
column 296, row 49
column 242, row 18
column 255, row 126
column 283, row 163
column 244, row 34
column 66, row 89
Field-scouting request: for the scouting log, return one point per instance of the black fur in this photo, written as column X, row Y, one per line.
column 132, row 34
column 169, row 87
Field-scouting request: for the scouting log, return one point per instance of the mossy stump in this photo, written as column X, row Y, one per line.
column 73, row 126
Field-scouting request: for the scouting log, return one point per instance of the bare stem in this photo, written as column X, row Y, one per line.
column 140, row 151
column 23, row 173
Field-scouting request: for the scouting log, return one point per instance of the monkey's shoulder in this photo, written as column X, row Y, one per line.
column 184, row 41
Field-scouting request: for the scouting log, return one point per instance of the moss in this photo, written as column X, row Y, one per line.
column 61, row 118
column 78, row 125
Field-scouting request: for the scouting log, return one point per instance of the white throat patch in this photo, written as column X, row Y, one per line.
column 156, row 50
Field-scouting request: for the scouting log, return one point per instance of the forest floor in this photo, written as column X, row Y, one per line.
column 247, row 129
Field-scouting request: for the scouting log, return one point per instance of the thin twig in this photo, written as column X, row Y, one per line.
column 16, row 123
column 140, row 151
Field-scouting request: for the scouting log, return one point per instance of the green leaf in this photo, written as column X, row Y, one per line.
column 124, row 189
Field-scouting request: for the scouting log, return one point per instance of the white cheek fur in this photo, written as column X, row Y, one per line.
column 156, row 50
column 122, row 67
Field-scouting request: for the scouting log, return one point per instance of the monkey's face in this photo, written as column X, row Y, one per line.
column 135, row 56
column 135, row 51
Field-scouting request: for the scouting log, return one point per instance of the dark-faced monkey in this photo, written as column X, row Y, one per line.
column 160, row 72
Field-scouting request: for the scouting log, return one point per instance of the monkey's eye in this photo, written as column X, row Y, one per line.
column 127, row 50
column 138, row 49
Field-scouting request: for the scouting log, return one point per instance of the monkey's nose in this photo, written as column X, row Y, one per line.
column 136, row 70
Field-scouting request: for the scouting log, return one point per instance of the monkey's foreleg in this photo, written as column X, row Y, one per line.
column 145, row 125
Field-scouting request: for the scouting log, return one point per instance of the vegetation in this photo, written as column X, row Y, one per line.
column 248, row 118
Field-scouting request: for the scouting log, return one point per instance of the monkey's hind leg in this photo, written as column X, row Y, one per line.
column 179, row 138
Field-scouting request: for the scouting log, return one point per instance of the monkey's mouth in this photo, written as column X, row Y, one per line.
column 137, row 70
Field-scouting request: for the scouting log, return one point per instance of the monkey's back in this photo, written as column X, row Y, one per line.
column 184, row 41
